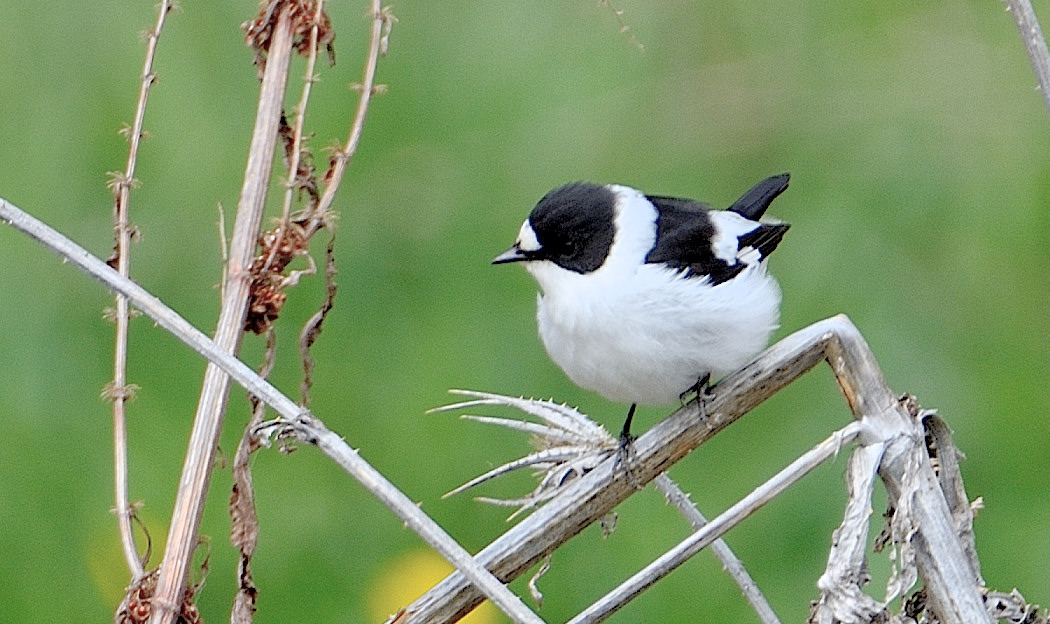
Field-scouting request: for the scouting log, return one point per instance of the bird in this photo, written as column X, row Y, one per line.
column 646, row 298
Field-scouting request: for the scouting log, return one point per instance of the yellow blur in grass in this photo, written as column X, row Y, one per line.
column 409, row 576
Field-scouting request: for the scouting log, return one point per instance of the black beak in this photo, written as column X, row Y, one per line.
column 514, row 254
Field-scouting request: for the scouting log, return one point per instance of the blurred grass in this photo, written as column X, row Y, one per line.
column 919, row 153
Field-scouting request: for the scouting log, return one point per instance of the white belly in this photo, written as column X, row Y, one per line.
column 650, row 339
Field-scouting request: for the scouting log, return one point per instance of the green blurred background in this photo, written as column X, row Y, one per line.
column 918, row 147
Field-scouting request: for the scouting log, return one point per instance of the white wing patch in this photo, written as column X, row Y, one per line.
column 729, row 227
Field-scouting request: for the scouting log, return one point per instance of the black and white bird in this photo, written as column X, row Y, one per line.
column 645, row 298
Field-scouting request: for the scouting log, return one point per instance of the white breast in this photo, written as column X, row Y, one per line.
column 652, row 338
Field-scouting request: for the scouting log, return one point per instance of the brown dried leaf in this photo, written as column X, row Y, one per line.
column 137, row 606
column 304, row 16
column 312, row 328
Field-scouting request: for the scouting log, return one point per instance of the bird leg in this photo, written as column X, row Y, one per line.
column 625, row 434
column 623, row 453
column 701, row 391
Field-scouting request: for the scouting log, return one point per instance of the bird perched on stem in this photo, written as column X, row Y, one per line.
column 645, row 298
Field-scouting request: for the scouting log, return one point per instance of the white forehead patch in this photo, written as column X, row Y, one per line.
column 527, row 238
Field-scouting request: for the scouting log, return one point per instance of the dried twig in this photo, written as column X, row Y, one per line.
column 291, row 414
column 1034, row 43
column 312, row 328
column 298, row 177
column 382, row 22
column 707, row 534
column 119, row 390
column 841, row 595
column 307, row 429
column 732, row 564
column 288, row 240
column 624, row 28
column 207, row 424
column 266, row 296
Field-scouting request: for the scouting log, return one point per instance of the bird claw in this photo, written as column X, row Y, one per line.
column 623, row 459
column 699, row 391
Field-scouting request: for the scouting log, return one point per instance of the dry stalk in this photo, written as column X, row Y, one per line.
column 287, row 240
column 300, row 176
column 296, row 177
column 708, row 533
column 293, row 417
column 312, row 328
column 207, row 424
column 568, row 445
column 291, row 236
column 732, row 564
column 119, row 390
column 624, row 28
column 1034, row 44
column 244, row 521
column 382, row 21
column 266, row 296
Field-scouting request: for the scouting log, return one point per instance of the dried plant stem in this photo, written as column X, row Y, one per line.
column 331, row 443
column 1034, row 44
column 711, row 531
column 211, row 408
column 733, row 566
column 300, row 116
column 381, row 21
column 308, row 429
column 941, row 559
column 120, row 392
column 150, row 305
column 297, row 132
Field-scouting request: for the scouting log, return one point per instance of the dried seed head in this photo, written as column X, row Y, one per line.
column 568, row 443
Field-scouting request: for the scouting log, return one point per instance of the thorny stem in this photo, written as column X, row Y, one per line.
column 1034, row 43
column 725, row 555
column 120, row 392
column 381, row 22
column 211, row 408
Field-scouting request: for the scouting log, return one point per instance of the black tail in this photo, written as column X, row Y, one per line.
column 754, row 203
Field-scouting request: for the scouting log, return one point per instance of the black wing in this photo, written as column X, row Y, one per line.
column 683, row 240
column 765, row 239
column 684, row 231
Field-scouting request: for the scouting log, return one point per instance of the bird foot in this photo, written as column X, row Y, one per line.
column 698, row 391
